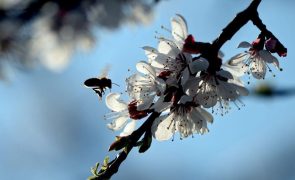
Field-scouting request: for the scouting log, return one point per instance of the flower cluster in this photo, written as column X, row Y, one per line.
column 180, row 82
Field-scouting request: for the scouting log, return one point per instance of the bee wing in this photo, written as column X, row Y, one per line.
column 104, row 72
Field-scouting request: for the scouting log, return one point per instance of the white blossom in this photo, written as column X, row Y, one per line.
column 183, row 118
column 169, row 55
column 211, row 89
column 253, row 62
column 146, row 86
column 119, row 115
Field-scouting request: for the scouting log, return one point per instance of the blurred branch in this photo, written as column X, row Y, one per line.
column 270, row 91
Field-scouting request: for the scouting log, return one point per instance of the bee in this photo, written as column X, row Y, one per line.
column 99, row 84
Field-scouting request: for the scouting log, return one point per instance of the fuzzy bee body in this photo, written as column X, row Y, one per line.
column 98, row 85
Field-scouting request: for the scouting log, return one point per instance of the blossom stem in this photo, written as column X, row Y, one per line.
column 113, row 166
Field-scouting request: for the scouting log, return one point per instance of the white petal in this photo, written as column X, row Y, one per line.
column 160, row 105
column 114, row 103
column 207, row 116
column 184, row 99
column 188, row 57
column 118, row 123
column 129, row 128
column 155, row 58
column 197, row 119
column 258, row 69
column 237, row 59
column 191, row 87
column 269, row 58
column 236, row 64
column 227, row 91
column 185, row 76
column 145, row 68
column 179, row 28
column 198, row 65
column 225, row 74
column 243, row 91
column 168, row 47
column 147, row 102
column 244, row 44
column 237, row 71
column 207, row 99
column 162, row 128
column 236, row 80
column 161, row 85
column 150, row 52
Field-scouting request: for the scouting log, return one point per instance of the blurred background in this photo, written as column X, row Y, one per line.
column 51, row 127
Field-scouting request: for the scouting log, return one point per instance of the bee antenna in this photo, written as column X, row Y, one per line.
column 116, row 84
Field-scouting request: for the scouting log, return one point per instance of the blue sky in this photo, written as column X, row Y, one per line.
column 53, row 128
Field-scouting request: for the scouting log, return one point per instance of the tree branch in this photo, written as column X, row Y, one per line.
column 114, row 165
column 233, row 27
column 259, row 24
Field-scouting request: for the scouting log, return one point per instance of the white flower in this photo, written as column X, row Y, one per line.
column 169, row 55
column 121, row 113
column 221, row 88
column 183, row 118
column 253, row 61
column 146, row 86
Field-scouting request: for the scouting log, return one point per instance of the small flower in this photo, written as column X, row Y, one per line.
column 169, row 56
column 121, row 113
column 254, row 61
column 185, row 118
column 211, row 89
column 146, row 86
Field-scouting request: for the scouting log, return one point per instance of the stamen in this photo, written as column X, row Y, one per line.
column 166, row 29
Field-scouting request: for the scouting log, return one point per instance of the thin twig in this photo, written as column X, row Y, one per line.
column 134, row 137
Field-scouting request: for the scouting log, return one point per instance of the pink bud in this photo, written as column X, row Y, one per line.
column 189, row 45
column 270, row 45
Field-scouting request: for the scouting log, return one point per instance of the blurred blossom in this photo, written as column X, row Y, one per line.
column 6, row 4
column 51, row 31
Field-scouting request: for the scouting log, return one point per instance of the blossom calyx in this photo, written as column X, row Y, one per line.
column 121, row 142
column 134, row 113
column 273, row 46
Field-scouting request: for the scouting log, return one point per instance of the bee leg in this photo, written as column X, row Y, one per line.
column 102, row 91
column 98, row 92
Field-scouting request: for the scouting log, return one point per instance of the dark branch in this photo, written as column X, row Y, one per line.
column 233, row 27
column 114, row 165
column 259, row 24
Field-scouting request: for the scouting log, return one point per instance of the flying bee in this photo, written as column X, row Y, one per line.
column 99, row 84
